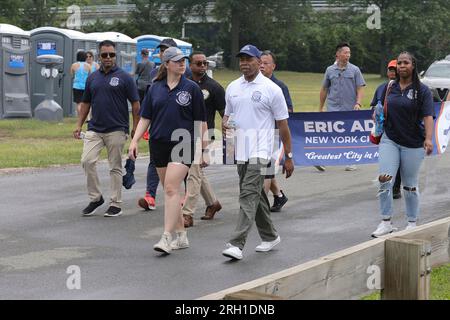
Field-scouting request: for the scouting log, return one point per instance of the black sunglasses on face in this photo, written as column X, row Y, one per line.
column 105, row 55
column 201, row 63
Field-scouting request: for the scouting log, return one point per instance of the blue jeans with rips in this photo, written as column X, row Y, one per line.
column 393, row 156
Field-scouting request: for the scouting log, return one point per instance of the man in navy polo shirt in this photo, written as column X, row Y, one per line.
column 107, row 91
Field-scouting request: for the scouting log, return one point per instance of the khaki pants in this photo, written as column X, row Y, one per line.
column 93, row 144
column 253, row 202
column 197, row 184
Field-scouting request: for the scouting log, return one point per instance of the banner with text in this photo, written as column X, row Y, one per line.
column 342, row 138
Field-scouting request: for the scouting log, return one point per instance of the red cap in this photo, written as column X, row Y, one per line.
column 392, row 64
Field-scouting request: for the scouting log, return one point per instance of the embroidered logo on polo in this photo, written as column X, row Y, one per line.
column 256, row 96
column 183, row 98
column 114, row 82
column 410, row 94
column 206, row 94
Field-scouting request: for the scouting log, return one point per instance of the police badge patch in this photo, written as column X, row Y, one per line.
column 205, row 94
column 256, row 96
column 114, row 82
column 184, row 98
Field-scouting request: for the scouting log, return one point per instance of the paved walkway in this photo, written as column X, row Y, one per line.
column 42, row 232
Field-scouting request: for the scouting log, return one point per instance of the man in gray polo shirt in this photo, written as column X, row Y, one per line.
column 342, row 86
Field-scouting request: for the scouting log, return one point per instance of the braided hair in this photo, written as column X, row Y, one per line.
column 416, row 84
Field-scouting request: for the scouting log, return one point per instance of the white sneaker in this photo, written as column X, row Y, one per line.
column 232, row 252
column 411, row 225
column 350, row 168
column 164, row 244
column 385, row 227
column 181, row 242
column 267, row 245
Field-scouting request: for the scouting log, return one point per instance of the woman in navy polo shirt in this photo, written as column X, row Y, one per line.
column 175, row 108
column 408, row 133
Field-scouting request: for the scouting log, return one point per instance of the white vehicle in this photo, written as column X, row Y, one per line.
column 437, row 78
column 217, row 58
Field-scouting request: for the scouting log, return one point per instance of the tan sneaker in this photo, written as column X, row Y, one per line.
column 181, row 242
column 164, row 244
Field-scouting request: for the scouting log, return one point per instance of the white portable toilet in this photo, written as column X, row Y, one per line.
column 15, row 72
column 62, row 42
column 125, row 48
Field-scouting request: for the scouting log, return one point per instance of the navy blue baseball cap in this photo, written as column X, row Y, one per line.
column 167, row 43
column 249, row 50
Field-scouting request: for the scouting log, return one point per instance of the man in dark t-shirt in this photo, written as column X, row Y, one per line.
column 197, row 183
column 106, row 95
column 268, row 65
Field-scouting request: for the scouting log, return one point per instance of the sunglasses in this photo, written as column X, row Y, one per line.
column 201, row 63
column 105, row 55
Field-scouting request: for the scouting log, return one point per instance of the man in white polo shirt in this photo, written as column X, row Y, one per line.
column 256, row 102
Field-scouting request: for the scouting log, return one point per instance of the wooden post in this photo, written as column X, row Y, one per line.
column 407, row 272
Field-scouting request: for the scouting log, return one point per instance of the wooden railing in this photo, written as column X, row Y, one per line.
column 398, row 264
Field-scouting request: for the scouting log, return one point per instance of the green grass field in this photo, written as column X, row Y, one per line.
column 32, row 143
column 304, row 87
column 440, row 285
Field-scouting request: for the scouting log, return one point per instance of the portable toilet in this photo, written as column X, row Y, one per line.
column 62, row 42
column 15, row 72
column 150, row 42
column 125, row 48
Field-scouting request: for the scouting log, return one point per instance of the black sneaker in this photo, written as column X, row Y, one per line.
column 113, row 212
column 92, row 207
column 278, row 202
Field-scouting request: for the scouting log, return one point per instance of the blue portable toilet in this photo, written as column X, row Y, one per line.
column 125, row 48
column 150, row 42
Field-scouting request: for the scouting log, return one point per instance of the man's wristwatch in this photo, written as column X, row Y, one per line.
column 289, row 155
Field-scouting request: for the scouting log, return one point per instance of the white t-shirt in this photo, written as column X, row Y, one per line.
column 256, row 105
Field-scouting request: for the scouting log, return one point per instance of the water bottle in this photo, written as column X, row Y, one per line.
column 82, row 135
column 379, row 119
column 230, row 143
column 231, row 123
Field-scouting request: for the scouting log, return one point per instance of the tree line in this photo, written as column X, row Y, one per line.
column 302, row 37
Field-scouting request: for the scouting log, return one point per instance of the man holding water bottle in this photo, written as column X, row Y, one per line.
column 256, row 103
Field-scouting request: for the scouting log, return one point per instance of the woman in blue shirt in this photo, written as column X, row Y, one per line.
column 80, row 71
column 90, row 60
column 408, row 133
column 174, row 107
